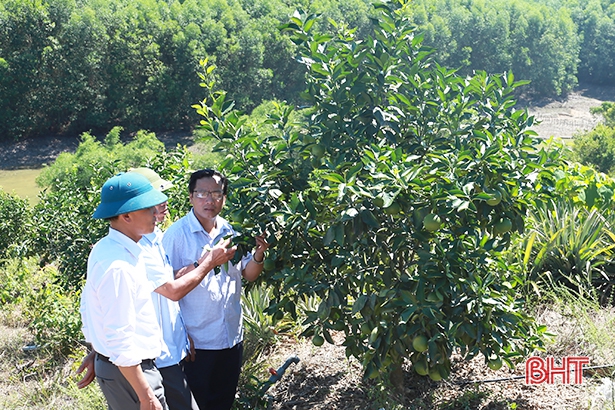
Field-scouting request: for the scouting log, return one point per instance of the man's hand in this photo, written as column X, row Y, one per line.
column 87, row 364
column 192, row 352
column 261, row 246
column 219, row 254
column 254, row 268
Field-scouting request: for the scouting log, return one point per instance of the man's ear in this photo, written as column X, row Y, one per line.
column 125, row 217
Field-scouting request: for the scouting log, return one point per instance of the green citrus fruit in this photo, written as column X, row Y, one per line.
column 278, row 315
column 495, row 199
column 421, row 367
column 502, row 226
column 495, row 364
column 269, row 265
column 237, row 216
column 393, row 209
column 378, row 202
column 339, row 325
column 318, row 340
column 434, row 374
column 419, row 343
column 318, row 150
column 432, row 222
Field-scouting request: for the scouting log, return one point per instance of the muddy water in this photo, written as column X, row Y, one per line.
column 21, row 182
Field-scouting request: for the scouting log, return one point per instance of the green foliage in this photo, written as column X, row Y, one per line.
column 390, row 137
column 69, row 66
column 596, row 28
column 568, row 245
column 54, row 317
column 607, row 110
column 64, row 230
column 597, row 148
column 49, row 311
column 92, row 156
column 15, row 214
column 536, row 40
column 569, row 239
column 17, row 283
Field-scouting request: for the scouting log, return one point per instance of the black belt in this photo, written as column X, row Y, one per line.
column 148, row 362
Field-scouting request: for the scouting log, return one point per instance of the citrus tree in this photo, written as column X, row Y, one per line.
column 391, row 197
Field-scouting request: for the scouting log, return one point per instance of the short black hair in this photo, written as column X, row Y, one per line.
column 207, row 173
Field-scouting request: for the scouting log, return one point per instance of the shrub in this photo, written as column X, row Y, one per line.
column 14, row 228
column 607, row 110
column 64, row 230
column 54, row 316
column 597, row 148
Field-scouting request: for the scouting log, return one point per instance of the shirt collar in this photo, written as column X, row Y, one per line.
column 224, row 228
column 132, row 246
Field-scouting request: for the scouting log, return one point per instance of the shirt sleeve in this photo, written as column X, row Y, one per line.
column 170, row 243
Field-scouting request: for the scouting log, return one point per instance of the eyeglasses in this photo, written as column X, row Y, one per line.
column 215, row 195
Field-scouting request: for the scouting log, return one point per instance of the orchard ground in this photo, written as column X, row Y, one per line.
column 325, row 379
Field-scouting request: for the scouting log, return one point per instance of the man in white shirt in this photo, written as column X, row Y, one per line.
column 166, row 292
column 119, row 319
column 212, row 311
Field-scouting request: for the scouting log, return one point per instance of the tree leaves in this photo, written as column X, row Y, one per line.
column 349, row 218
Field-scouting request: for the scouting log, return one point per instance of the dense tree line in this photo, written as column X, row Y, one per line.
column 78, row 65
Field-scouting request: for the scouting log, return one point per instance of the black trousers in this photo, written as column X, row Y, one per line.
column 213, row 377
column 176, row 389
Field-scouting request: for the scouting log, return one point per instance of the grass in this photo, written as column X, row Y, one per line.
column 32, row 380
column 581, row 327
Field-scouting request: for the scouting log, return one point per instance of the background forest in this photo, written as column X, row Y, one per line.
column 69, row 66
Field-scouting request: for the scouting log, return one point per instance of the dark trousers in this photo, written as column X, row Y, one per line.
column 176, row 389
column 119, row 393
column 213, row 377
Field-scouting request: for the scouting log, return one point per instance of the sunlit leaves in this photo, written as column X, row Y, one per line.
column 389, row 138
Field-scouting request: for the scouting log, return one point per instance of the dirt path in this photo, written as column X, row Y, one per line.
column 565, row 118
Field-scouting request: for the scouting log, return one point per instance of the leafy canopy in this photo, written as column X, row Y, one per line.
column 343, row 187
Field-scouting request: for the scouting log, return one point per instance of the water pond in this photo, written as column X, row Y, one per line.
column 21, row 182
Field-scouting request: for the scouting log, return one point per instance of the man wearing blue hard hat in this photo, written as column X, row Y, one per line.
column 119, row 318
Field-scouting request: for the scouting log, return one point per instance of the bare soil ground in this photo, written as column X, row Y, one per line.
column 566, row 117
column 325, row 379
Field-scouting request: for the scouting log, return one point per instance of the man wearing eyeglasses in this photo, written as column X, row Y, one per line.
column 212, row 311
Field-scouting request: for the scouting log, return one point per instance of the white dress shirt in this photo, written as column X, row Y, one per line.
column 159, row 272
column 211, row 311
column 117, row 312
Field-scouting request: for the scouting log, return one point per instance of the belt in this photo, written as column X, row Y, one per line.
column 147, row 362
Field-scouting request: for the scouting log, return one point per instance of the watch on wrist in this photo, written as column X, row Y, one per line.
column 258, row 262
column 195, row 264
